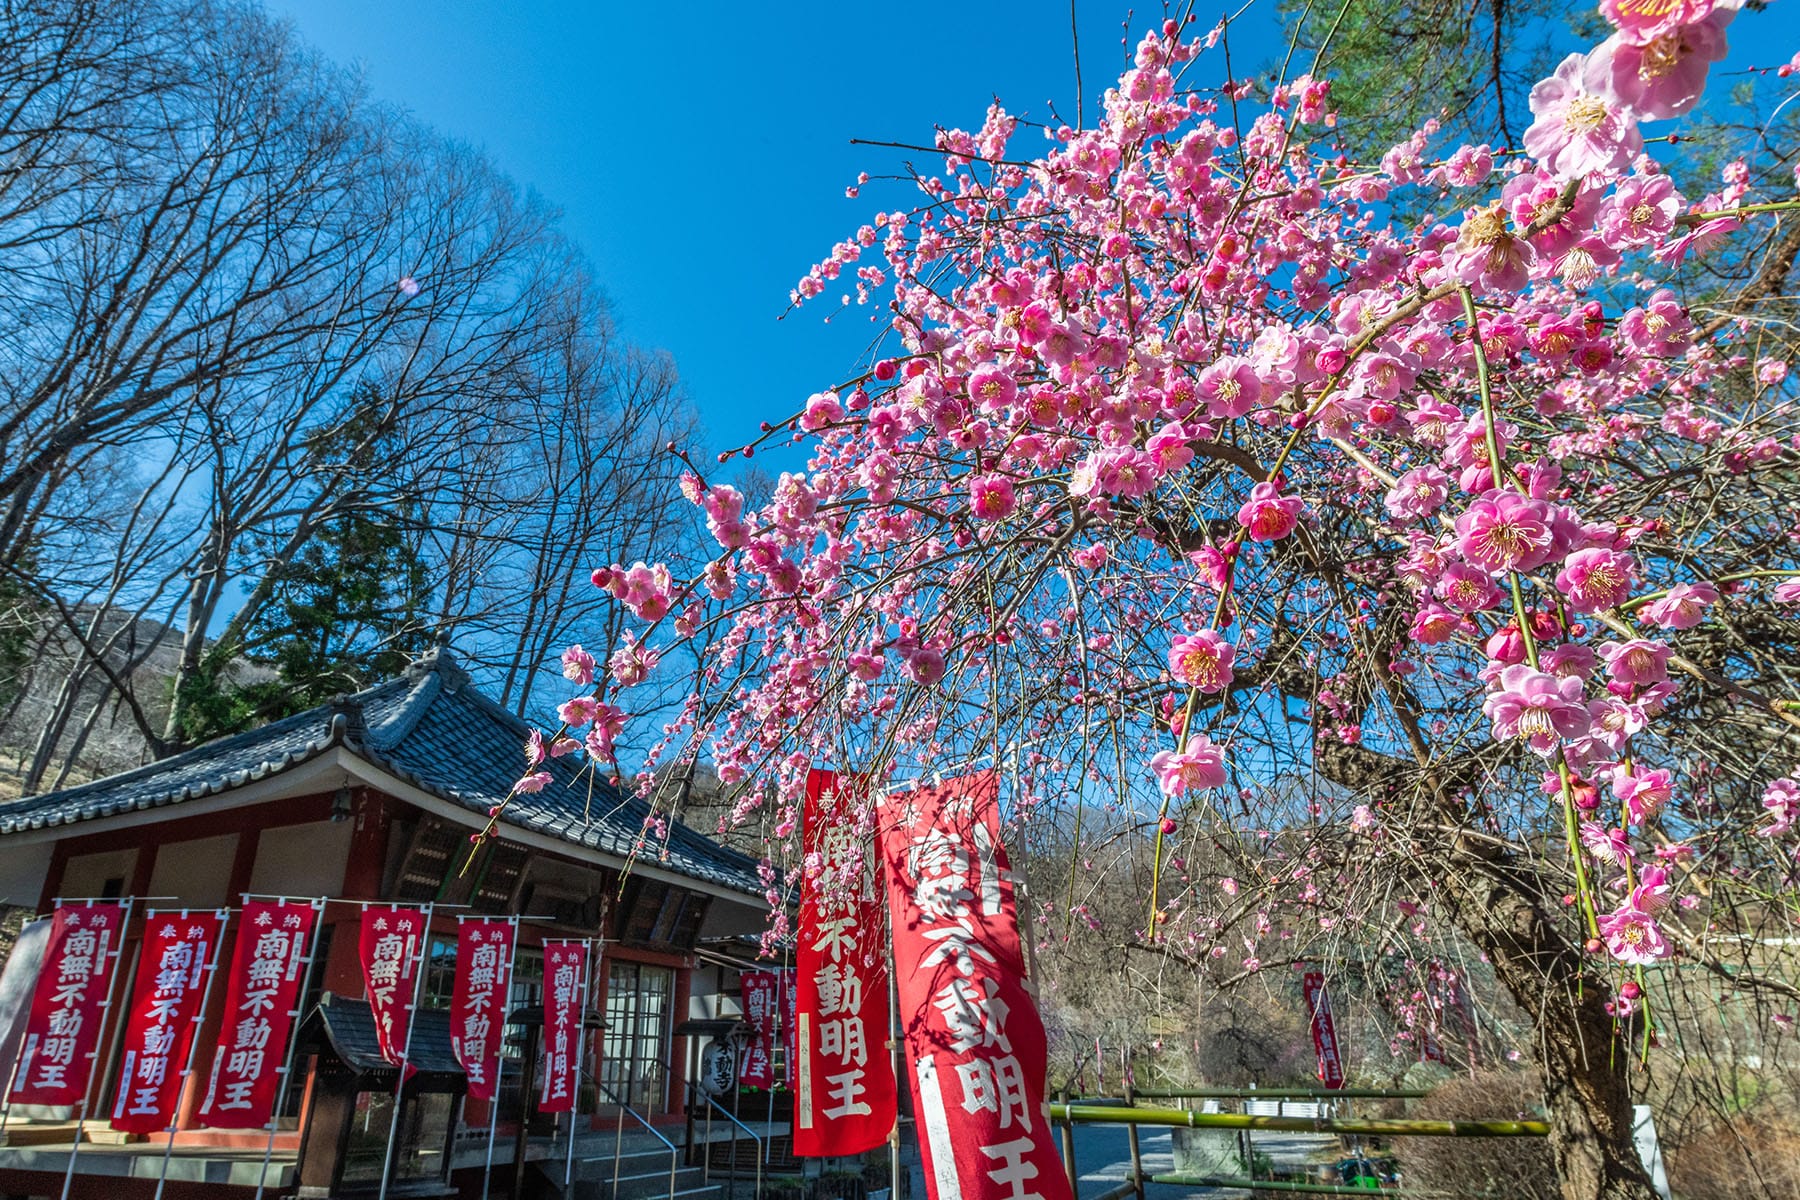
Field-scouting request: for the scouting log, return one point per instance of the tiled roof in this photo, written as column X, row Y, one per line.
column 348, row 1027
column 430, row 728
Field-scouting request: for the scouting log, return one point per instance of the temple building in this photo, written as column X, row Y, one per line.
column 374, row 798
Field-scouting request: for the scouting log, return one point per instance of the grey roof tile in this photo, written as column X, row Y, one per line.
column 431, row 728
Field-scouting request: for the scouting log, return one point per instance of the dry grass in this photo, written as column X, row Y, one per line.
column 1756, row 1154
column 1516, row 1168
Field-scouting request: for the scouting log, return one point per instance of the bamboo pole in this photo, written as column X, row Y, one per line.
column 1280, row 1094
column 1113, row 1115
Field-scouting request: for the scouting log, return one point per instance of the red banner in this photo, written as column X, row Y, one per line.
column 762, row 1001
column 56, row 1060
column 1324, row 1030
column 268, row 965
column 174, row 971
column 975, row 1044
column 565, row 992
column 844, row 1092
column 391, row 947
column 484, row 956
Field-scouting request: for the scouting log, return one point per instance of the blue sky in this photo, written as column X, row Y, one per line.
column 699, row 153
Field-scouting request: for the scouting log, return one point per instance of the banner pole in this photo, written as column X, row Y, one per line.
column 412, row 1021
column 512, row 963
column 893, row 982
column 287, row 1066
column 81, row 1110
column 587, row 954
column 187, row 1070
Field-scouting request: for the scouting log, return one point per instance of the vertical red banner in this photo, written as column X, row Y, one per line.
column 262, row 989
column 1324, row 1030
column 761, row 995
column 56, row 1059
column 391, row 948
column 484, row 958
column 565, row 1003
column 844, row 1091
column 975, row 1045
column 174, row 971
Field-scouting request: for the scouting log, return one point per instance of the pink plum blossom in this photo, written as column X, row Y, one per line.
column 1632, row 936
column 578, row 666
column 1781, row 798
column 1638, row 663
column 1681, row 607
column 1267, row 515
column 1581, row 126
column 1201, row 660
column 1418, row 493
column 1539, row 708
column 991, row 497
column 1596, row 579
column 1198, row 766
column 1643, row 793
column 1644, row 20
column 1504, row 531
column 1664, row 76
column 1230, row 387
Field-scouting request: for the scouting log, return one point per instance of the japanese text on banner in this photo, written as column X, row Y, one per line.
column 1324, row 1030
column 391, row 947
column 975, row 1044
column 174, row 969
column 268, row 965
column 761, row 994
column 56, row 1059
column 565, row 1003
column 484, row 955
column 844, row 1090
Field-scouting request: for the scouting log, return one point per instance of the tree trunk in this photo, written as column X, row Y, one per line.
column 1586, row 1093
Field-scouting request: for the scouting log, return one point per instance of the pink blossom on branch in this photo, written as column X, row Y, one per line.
column 1537, row 708
column 1582, row 126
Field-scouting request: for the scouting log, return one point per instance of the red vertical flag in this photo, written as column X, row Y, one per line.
column 844, row 1090
column 975, row 1045
column 56, row 1059
column 762, row 1000
column 174, row 969
column 268, row 965
column 391, row 947
column 484, row 956
column 1324, row 1030
column 565, row 992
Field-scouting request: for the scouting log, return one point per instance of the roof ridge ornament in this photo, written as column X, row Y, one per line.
column 346, row 721
column 438, row 659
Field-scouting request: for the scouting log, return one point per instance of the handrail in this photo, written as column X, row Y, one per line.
column 762, row 1147
column 729, row 1117
column 619, row 1136
column 634, row 1114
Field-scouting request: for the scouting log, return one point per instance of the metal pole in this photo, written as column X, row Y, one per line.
column 387, row 1161
column 487, row 1170
column 112, row 985
column 894, row 1056
column 187, row 1070
column 1068, row 1143
column 587, row 953
column 1131, row 1137
column 505, row 989
column 287, row 1066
